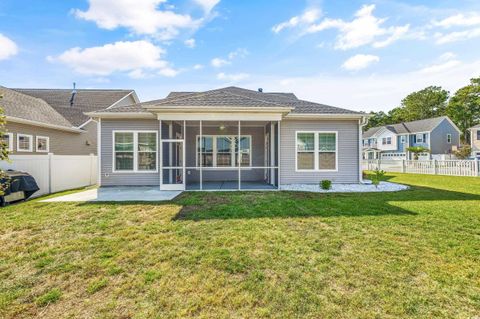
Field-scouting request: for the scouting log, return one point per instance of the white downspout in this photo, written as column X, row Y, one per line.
column 361, row 123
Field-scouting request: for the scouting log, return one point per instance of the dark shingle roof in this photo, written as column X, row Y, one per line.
column 239, row 97
column 86, row 100
column 27, row 107
column 408, row 127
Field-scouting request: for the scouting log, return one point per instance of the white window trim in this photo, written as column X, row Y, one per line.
column 214, row 152
column 36, row 144
column 402, row 139
column 30, row 148
column 449, row 138
column 316, row 151
column 10, row 141
column 135, row 152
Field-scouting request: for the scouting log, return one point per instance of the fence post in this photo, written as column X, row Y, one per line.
column 378, row 164
column 91, row 169
column 435, row 169
column 476, row 166
column 404, row 168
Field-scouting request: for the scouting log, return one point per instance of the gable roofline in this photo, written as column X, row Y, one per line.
column 451, row 122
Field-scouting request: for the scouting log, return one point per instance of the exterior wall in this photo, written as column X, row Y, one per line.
column 438, row 138
column 128, row 100
column 108, row 177
column 387, row 147
column 348, row 152
column 61, row 142
column 475, row 141
column 424, row 144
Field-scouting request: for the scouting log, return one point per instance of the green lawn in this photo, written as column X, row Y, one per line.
column 414, row 253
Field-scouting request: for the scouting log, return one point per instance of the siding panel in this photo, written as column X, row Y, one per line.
column 348, row 153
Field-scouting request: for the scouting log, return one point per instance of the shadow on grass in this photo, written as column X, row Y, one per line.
column 246, row 205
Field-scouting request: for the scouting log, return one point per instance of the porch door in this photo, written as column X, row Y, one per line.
column 173, row 165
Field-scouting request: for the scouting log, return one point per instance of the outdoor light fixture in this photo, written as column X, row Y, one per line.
column 222, row 127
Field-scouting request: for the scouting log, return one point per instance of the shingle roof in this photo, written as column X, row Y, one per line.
column 408, row 127
column 27, row 107
column 86, row 100
column 476, row 126
column 239, row 97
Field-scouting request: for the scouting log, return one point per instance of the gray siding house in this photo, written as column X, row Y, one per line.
column 228, row 138
column 41, row 121
column 440, row 135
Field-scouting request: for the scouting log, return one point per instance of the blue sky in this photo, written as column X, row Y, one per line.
column 362, row 55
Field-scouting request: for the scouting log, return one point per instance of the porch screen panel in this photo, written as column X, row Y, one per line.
column 224, row 151
column 245, row 151
column 327, row 150
column 306, row 150
column 124, row 151
column 205, row 151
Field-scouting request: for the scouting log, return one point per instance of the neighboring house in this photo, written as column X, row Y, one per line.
column 475, row 140
column 440, row 135
column 229, row 138
column 41, row 121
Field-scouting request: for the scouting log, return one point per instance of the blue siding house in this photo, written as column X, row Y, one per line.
column 440, row 135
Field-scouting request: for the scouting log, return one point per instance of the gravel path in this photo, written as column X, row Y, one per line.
column 346, row 188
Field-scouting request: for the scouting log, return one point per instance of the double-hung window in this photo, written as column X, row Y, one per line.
column 7, row 140
column 386, row 141
column 135, row 151
column 24, row 143
column 402, row 139
column 42, row 144
column 449, row 138
column 222, row 151
column 419, row 138
column 316, row 151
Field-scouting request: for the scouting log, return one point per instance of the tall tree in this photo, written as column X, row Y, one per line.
column 424, row 104
column 464, row 107
column 3, row 151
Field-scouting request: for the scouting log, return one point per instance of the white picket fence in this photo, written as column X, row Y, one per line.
column 436, row 167
column 55, row 173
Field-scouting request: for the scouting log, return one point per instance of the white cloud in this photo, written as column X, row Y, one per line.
column 459, row 20
column 457, row 36
column 139, row 16
column 232, row 77
column 207, row 5
column 190, row 43
column 198, row 66
column 364, row 29
column 8, row 48
column 309, row 16
column 238, row 53
column 219, row 62
column 135, row 57
column 444, row 62
column 359, row 61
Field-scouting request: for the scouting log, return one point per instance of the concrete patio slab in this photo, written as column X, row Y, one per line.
column 117, row 194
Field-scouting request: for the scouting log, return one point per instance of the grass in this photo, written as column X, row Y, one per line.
column 414, row 253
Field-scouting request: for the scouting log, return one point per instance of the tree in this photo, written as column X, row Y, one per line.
column 3, row 152
column 427, row 103
column 377, row 119
column 417, row 150
column 463, row 152
column 464, row 107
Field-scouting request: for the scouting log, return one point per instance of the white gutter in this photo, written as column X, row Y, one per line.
column 122, row 115
column 35, row 123
column 220, row 108
column 331, row 116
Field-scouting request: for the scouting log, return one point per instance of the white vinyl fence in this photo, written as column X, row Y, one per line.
column 55, row 173
column 436, row 167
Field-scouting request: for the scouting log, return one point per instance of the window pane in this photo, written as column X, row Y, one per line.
column 224, row 159
column 124, row 161
column 244, row 151
column 24, row 142
column 124, row 142
column 147, row 161
column 224, row 144
column 207, row 159
column 326, row 160
column 42, row 144
column 207, row 144
column 147, row 142
column 306, row 160
column 6, row 140
column 305, row 141
column 326, row 142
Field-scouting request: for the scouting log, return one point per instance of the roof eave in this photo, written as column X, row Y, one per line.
column 220, row 109
column 121, row 115
column 41, row 124
column 314, row 116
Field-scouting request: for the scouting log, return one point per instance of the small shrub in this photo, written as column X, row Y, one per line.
column 463, row 152
column 97, row 285
column 326, row 184
column 377, row 177
column 48, row 298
